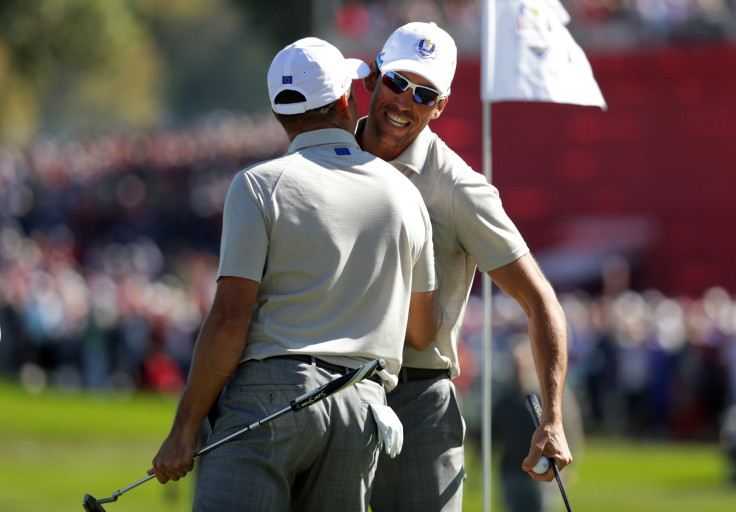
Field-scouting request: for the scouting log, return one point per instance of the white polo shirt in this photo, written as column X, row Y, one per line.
column 470, row 228
column 338, row 241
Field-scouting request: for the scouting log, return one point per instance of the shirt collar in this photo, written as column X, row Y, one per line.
column 415, row 155
column 325, row 136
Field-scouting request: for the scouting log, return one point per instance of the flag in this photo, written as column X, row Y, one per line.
column 529, row 55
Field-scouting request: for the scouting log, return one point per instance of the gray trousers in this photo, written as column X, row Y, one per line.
column 428, row 474
column 322, row 458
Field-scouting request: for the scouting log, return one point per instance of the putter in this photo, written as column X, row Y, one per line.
column 535, row 410
column 91, row 504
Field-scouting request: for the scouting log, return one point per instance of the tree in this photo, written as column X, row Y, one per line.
column 81, row 67
column 72, row 66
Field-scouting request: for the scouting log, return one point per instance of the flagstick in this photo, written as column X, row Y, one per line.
column 488, row 58
column 486, row 442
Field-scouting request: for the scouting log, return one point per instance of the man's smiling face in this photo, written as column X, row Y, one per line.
column 396, row 119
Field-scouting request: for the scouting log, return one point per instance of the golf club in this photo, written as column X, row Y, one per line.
column 91, row 504
column 535, row 410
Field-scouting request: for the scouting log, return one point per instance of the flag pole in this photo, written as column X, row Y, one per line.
column 488, row 57
column 487, row 397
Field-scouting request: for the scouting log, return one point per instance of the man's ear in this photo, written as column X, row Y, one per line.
column 371, row 80
column 343, row 102
column 440, row 107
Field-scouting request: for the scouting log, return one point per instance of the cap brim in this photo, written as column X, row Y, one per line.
column 357, row 68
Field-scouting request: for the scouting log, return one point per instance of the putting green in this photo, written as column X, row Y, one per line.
column 55, row 448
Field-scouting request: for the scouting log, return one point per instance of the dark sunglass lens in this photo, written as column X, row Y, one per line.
column 394, row 82
column 425, row 96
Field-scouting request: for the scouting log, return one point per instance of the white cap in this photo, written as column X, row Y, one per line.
column 424, row 49
column 314, row 68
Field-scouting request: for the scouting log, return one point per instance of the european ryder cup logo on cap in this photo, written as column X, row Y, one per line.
column 286, row 79
column 426, row 49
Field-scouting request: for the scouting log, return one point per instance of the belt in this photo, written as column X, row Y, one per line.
column 407, row 374
column 334, row 368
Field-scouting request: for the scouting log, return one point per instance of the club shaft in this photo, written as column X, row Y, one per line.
column 535, row 411
column 232, row 436
column 119, row 492
column 559, row 484
column 305, row 400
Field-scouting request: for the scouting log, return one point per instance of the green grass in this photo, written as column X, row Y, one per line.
column 617, row 475
column 55, row 448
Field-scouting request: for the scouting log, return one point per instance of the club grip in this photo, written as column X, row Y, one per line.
column 336, row 385
column 534, row 408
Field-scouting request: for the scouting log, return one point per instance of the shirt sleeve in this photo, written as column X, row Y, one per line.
column 424, row 278
column 244, row 243
column 483, row 228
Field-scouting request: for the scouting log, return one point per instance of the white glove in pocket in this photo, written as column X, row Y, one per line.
column 390, row 429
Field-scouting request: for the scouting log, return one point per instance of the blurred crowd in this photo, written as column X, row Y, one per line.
column 593, row 23
column 109, row 250
column 641, row 364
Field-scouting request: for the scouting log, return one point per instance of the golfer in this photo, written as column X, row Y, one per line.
column 410, row 84
column 326, row 252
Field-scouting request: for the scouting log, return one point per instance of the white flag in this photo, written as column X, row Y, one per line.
column 530, row 55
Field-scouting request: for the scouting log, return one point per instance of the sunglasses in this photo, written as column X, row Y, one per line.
column 422, row 94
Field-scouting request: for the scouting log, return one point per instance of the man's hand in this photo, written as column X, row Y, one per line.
column 549, row 440
column 217, row 353
column 174, row 459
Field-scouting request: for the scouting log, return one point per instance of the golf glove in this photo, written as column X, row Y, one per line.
column 390, row 429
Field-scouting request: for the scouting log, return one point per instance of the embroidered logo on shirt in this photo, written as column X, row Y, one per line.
column 342, row 151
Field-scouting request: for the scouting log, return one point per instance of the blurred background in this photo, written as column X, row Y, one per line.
column 122, row 124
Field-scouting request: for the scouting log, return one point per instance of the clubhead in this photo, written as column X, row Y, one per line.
column 90, row 504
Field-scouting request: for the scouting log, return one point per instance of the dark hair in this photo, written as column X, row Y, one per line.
column 289, row 96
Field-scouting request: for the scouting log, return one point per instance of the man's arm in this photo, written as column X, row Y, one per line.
column 217, row 353
column 524, row 282
column 424, row 320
